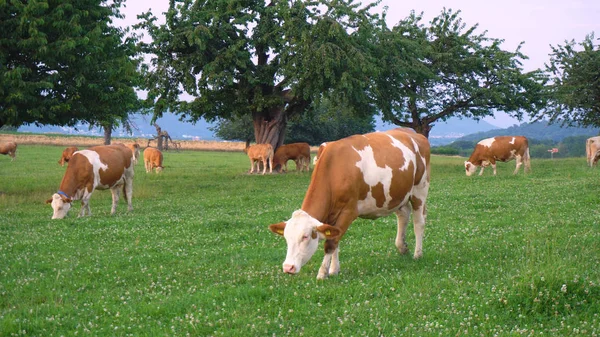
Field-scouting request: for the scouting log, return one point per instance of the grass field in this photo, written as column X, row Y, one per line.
column 503, row 256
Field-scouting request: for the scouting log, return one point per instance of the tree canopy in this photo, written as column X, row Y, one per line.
column 269, row 60
column 446, row 69
column 574, row 70
column 62, row 62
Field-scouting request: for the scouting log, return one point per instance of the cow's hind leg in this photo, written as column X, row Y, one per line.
column 115, row 198
column 519, row 161
column 419, row 215
column 403, row 214
column 128, row 192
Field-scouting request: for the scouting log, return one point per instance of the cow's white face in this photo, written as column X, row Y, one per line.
column 60, row 206
column 470, row 168
column 302, row 233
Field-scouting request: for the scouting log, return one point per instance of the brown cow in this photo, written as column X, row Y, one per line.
column 9, row 148
column 67, row 154
column 501, row 148
column 260, row 153
column 365, row 176
column 298, row 152
column 153, row 159
column 592, row 150
column 99, row 167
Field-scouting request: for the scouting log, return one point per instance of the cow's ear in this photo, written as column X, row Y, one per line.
column 330, row 232
column 49, row 201
column 277, row 228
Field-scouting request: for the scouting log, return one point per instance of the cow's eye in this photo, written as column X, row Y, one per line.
column 304, row 237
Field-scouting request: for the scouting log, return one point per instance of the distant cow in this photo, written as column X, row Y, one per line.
column 592, row 150
column 501, row 148
column 9, row 148
column 365, row 176
column 67, row 154
column 99, row 167
column 260, row 153
column 153, row 159
column 135, row 149
column 298, row 152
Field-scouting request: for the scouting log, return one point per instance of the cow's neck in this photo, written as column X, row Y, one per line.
column 317, row 203
column 71, row 187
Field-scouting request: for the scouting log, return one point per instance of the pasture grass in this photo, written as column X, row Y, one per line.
column 503, row 256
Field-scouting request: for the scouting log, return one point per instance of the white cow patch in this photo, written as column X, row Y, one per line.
column 94, row 159
column 487, row 142
column 512, row 141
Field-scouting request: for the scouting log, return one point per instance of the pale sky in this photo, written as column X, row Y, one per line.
column 539, row 23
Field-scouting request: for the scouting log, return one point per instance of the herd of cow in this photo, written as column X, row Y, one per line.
column 367, row 176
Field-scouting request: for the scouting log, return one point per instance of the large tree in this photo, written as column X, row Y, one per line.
column 574, row 71
column 431, row 73
column 62, row 62
column 267, row 59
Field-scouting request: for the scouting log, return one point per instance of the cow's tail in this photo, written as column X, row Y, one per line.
column 527, row 160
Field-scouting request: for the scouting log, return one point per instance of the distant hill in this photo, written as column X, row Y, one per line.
column 443, row 133
column 143, row 129
column 535, row 130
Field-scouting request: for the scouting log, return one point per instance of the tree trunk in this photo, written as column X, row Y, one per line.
column 269, row 127
column 107, row 135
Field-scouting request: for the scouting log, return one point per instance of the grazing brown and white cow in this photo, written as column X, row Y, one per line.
column 592, row 150
column 153, row 159
column 501, row 148
column 298, row 152
column 365, row 176
column 260, row 153
column 67, row 154
column 9, row 148
column 99, row 167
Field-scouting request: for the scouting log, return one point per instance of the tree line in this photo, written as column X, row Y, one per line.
column 274, row 67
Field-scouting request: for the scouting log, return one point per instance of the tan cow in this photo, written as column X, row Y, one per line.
column 99, row 167
column 260, row 153
column 67, row 154
column 592, row 150
column 135, row 150
column 501, row 148
column 9, row 148
column 153, row 159
column 298, row 152
column 365, row 176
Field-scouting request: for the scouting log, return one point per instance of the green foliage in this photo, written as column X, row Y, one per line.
column 323, row 122
column 502, row 256
column 575, row 73
column 446, row 69
column 62, row 62
column 269, row 61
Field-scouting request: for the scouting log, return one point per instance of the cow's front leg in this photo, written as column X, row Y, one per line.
column 481, row 172
column 331, row 248
column 85, row 206
column 519, row 160
column 494, row 167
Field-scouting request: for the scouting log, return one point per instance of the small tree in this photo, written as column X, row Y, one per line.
column 574, row 70
column 433, row 73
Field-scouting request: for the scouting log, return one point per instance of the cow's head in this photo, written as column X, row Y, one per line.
column 470, row 168
column 302, row 234
column 61, row 205
column 159, row 169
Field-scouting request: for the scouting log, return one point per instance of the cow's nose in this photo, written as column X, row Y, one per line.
column 289, row 268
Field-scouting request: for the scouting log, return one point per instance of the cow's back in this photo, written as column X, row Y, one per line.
column 110, row 162
column 378, row 170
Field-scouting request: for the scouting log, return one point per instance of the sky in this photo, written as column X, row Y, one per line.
column 537, row 23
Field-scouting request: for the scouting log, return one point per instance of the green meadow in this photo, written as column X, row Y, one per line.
column 503, row 256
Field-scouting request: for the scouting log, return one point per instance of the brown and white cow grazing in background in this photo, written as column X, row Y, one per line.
column 501, row 148
column 298, row 152
column 260, row 153
column 153, row 159
column 365, row 176
column 67, row 154
column 592, row 150
column 99, row 167
column 9, row 148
